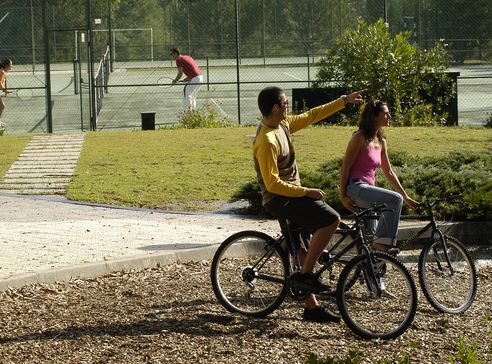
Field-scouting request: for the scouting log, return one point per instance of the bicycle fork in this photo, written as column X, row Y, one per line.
column 445, row 250
column 370, row 270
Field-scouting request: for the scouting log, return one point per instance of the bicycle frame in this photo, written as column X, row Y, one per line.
column 435, row 230
column 290, row 233
column 359, row 241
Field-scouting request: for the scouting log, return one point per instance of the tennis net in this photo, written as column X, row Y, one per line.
column 102, row 79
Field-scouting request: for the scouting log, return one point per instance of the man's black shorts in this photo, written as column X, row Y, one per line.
column 305, row 212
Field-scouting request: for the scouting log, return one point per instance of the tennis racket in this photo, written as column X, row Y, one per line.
column 165, row 82
column 24, row 94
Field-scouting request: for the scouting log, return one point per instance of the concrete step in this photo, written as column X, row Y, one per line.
column 51, row 151
column 49, row 157
column 33, row 186
column 47, row 174
column 55, row 179
column 53, row 191
column 64, row 167
column 27, row 164
column 56, row 141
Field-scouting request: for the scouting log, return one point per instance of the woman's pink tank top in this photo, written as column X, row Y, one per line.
column 364, row 168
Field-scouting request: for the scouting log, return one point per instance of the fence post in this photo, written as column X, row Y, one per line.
column 208, row 77
column 47, row 70
column 309, row 71
column 110, row 38
column 236, row 3
column 90, row 48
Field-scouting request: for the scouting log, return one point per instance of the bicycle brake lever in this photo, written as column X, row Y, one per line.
column 453, row 198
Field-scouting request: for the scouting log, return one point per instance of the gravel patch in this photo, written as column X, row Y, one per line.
column 170, row 315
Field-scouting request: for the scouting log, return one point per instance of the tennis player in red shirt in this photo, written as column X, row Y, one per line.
column 186, row 65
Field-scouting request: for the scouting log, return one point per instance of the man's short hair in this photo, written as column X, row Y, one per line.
column 176, row 51
column 268, row 97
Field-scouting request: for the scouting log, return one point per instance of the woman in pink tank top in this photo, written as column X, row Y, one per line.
column 366, row 152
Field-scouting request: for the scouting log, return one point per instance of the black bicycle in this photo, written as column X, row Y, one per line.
column 252, row 273
column 447, row 273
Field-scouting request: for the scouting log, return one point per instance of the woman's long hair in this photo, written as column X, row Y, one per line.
column 366, row 122
column 6, row 62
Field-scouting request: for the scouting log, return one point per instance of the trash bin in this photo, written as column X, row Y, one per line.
column 148, row 120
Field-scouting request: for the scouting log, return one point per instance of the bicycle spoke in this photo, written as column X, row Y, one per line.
column 248, row 275
column 375, row 309
column 447, row 277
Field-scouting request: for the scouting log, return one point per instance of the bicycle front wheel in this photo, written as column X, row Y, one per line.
column 382, row 305
column 447, row 275
column 249, row 274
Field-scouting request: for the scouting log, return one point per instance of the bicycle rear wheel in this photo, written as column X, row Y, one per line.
column 449, row 286
column 372, row 309
column 249, row 274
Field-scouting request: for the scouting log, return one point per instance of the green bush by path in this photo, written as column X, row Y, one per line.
column 206, row 117
column 426, row 177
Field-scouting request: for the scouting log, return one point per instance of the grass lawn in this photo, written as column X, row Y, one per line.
column 194, row 169
column 10, row 148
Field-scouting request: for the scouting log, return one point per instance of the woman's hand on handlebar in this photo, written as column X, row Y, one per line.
column 411, row 202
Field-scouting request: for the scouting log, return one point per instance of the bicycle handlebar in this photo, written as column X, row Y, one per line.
column 431, row 202
column 428, row 204
column 379, row 208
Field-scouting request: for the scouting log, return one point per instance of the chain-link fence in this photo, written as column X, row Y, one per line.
column 98, row 64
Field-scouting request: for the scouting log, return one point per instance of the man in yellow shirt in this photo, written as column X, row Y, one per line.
column 282, row 193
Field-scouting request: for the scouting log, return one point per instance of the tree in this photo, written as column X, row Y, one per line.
column 391, row 68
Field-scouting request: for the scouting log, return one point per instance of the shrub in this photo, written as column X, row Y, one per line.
column 423, row 177
column 392, row 69
column 207, row 117
column 353, row 357
column 466, row 353
column 488, row 122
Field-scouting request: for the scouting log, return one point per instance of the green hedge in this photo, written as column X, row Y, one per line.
column 423, row 177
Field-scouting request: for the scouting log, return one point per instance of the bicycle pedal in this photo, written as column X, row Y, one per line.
column 328, row 294
column 394, row 251
column 324, row 257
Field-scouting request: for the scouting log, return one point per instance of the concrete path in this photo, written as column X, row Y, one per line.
column 45, row 166
column 44, row 239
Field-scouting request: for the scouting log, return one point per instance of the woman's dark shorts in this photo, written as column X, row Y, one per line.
column 305, row 212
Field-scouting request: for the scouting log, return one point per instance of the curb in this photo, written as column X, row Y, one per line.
column 91, row 270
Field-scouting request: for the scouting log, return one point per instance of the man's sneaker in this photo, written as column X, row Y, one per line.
column 310, row 282
column 320, row 314
column 384, row 291
column 381, row 284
